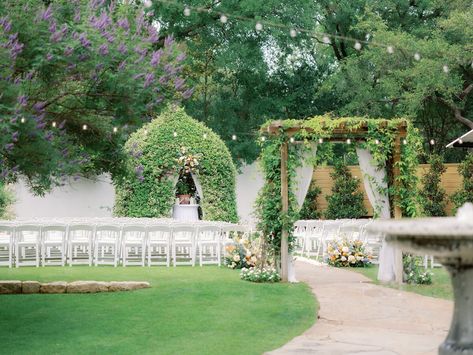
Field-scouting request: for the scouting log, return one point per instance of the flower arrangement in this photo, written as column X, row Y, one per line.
column 189, row 163
column 243, row 253
column 256, row 274
column 348, row 253
column 414, row 273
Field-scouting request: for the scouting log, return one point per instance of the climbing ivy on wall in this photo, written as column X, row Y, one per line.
column 147, row 187
column 380, row 139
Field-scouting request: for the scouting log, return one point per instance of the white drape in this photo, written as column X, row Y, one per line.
column 304, row 174
column 374, row 178
column 198, row 186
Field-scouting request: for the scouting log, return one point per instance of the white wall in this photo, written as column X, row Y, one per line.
column 87, row 198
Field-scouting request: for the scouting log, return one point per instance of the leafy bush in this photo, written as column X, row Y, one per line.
column 414, row 273
column 465, row 194
column 6, row 199
column 348, row 253
column 255, row 274
column 309, row 207
column 432, row 195
column 346, row 200
column 147, row 188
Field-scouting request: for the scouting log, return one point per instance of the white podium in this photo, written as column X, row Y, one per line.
column 185, row 212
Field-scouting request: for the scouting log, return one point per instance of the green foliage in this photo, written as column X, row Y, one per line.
column 185, row 185
column 414, row 273
column 147, row 188
column 66, row 64
column 309, row 207
column 432, row 194
column 346, row 200
column 6, row 199
column 465, row 194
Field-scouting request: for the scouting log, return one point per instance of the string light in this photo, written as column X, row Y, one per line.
column 84, row 127
column 148, row 3
column 404, row 141
column 146, row 131
column 292, row 140
column 263, row 139
column 22, row 120
column 321, row 140
column 258, row 26
column 293, row 33
column 348, row 141
column 445, row 69
column 115, row 130
column 223, row 18
column 460, row 141
column 390, row 49
column 417, row 56
column 205, row 135
column 187, row 11
column 376, row 142
column 53, row 124
column 357, row 45
column 326, row 39
column 234, row 137
column 432, row 142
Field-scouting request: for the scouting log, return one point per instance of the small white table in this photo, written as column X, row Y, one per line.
column 185, row 212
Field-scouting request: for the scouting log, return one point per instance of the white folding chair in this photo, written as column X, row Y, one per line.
column 7, row 236
column 53, row 244
column 106, row 244
column 299, row 233
column 27, row 245
column 330, row 233
column 229, row 232
column 159, row 245
column 208, row 243
column 134, row 245
column 313, row 238
column 79, row 244
column 183, row 245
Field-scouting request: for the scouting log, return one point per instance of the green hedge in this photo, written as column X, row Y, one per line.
column 146, row 188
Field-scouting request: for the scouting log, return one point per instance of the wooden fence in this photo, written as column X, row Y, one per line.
column 451, row 181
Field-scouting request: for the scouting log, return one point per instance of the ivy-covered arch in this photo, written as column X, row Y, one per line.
column 276, row 206
column 147, row 187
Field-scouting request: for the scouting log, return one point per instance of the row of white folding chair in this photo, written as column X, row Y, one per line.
column 109, row 243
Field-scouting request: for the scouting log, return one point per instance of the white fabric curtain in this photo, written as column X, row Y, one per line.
column 373, row 179
column 304, row 174
column 198, row 186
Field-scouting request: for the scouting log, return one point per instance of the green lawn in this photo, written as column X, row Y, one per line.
column 440, row 288
column 186, row 311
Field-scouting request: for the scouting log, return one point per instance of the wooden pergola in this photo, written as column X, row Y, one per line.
column 338, row 134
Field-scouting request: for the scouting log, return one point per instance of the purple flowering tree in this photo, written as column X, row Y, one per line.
column 76, row 77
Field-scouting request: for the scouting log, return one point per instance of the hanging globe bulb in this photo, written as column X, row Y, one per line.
column 390, row 49
column 223, row 19
column 258, row 26
column 357, row 46
column 293, row 33
column 187, row 11
column 417, row 56
column 148, row 3
column 326, row 40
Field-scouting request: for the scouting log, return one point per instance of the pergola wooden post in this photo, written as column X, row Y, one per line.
column 338, row 134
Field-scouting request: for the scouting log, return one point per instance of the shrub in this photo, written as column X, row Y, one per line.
column 348, row 253
column 147, row 187
column 346, row 200
column 309, row 207
column 432, row 195
column 465, row 194
column 255, row 274
column 414, row 272
column 6, row 199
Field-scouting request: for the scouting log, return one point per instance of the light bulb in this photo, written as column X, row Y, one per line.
column 205, row 135
column 376, row 142
column 223, row 19
column 293, row 33
column 258, row 26
column 84, row 127
column 263, row 139
column 417, row 56
column 326, row 39
column 432, row 142
column 146, row 131
column 115, row 129
column 404, row 141
column 53, row 124
column 445, row 69
column 390, row 49
column 234, row 137
column 23, row 120
column 187, row 11
column 148, row 3
column 292, row 140
column 321, row 140
column 460, row 141
column 357, row 46
column 348, row 141
column 175, row 134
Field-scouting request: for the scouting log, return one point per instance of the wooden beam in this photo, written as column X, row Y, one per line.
column 397, row 210
column 284, row 210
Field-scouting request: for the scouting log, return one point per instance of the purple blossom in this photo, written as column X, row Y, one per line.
column 94, row 4
column 68, row 51
column 83, row 57
column 15, row 49
column 156, row 58
column 65, row 152
column 84, row 41
column 39, row 106
column 29, row 75
column 159, row 100
column 123, row 23
column 188, row 93
column 102, row 22
column 163, row 80
column 153, row 34
column 62, row 124
column 49, row 136
column 22, row 100
column 181, row 57
column 108, row 36
column 168, row 41
column 141, row 51
column 49, row 57
column 178, row 83
column 52, row 26
column 140, row 21
column 99, row 66
column 15, row 136
column 103, row 49
column 17, row 80
column 47, row 14
column 71, row 66
column 149, row 78
column 168, row 68
column 9, row 147
column 122, row 48
column 41, row 125
column 122, row 65
column 77, row 16
column 5, row 23
column 138, row 76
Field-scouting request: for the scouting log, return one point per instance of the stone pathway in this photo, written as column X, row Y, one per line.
column 358, row 317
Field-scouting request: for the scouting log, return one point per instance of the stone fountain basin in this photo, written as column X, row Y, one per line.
column 442, row 237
